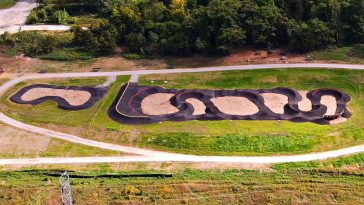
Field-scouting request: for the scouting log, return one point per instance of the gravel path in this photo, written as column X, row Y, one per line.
column 13, row 19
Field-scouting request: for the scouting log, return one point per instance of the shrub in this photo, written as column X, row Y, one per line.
column 61, row 17
column 32, row 18
column 132, row 56
column 66, row 55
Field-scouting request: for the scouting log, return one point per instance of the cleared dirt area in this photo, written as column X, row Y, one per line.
column 158, row 104
column 73, row 97
column 246, row 55
column 198, row 105
column 305, row 104
column 21, row 64
column 330, row 102
column 275, row 102
column 232, row 105
column 18, row 142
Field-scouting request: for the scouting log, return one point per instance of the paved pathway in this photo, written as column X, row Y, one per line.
column 157, row 156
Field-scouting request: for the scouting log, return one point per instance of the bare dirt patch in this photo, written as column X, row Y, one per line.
column 21, row 64
column 275, row 102
column 17, row 142
column 246, row 55
column 330, row 102
column 305, row 104
column 73, row 97
column 198, row 105
column 232, row 105
column 158, row 104
column 338, row 120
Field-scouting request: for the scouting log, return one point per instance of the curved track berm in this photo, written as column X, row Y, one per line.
column 127, row 106
column 96, row 95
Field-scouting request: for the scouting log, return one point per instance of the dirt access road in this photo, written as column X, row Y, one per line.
column 13, row 19
column 157, row 156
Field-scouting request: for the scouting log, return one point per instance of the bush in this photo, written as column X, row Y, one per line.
column 66, row 55
column 60, row 17
column 32, row 18
column 132, row 56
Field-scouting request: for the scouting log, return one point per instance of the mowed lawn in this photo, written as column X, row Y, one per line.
column 4, row 4
column 214, row 137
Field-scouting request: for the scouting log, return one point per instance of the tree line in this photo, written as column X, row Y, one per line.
column 184, row 27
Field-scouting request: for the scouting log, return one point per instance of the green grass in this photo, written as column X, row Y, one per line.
column 346, row 164
column 350, row 54
column 4, row 4
column 186, row 187
column 214, row 137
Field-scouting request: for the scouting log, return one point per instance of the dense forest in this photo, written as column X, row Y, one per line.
column 183, row 27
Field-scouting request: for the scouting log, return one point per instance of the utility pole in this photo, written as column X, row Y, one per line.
column 66, row 192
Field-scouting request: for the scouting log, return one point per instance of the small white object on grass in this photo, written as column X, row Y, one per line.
column 165, row 81
column 152, row 81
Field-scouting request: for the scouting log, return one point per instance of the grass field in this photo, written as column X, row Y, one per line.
column 214, row 137
column 334, row 181
column 282, row 185
column 4, row 4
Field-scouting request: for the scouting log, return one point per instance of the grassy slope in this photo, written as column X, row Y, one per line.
column 347, row 54
column 4, row 4
column 215, row 137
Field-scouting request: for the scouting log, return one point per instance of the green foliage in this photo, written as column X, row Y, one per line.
column 337, row 163
column 132, row 56
column 61, row 17
column 101, row 37
column 67, row 55
column 183, row 27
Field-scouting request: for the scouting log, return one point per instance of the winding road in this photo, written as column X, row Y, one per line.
column 145, row 155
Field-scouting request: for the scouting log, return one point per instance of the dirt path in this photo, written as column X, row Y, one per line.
column 157, row 156
column 13, row 19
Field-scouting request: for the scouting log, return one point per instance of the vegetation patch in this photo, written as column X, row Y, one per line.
column 4, row 4
column 352, row 54
column 185, row 187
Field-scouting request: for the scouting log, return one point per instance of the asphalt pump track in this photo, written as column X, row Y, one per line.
column 127, row 106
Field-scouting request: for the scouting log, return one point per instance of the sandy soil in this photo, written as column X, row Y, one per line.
column 330, row 102
column 275, row 102
column 232, row 105
column 327, row 100
column 305, row 104
column 338, row 120
column 158, row 104
column 73, row 97
column 197, row 105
